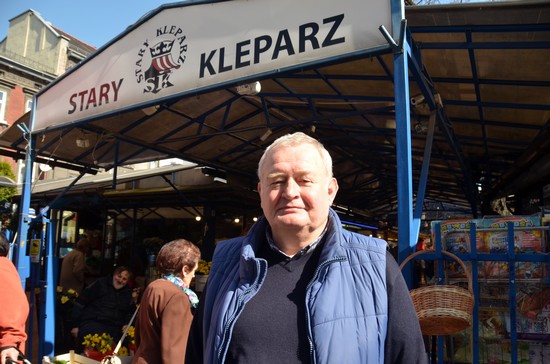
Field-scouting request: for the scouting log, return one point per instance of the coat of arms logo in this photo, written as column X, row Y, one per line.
column 158, row 62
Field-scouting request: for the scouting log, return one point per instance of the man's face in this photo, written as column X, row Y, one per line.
column 295, row 191
column 120, row 279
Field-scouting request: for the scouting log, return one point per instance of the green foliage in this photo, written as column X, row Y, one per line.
column 6, row 193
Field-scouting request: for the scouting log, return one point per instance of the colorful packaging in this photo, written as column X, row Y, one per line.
column 455, row 238
column 525, row 241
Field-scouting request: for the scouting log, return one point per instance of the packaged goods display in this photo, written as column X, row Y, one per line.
column 505, row 270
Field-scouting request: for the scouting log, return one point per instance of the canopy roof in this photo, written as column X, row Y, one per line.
column 487, row 63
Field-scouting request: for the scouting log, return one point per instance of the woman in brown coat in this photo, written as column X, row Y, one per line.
column 165, row 313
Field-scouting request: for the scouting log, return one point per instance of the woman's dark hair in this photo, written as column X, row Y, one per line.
column 175, row 255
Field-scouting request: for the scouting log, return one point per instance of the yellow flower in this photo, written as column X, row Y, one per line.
column 123, row 351
column 69, row 296
column 203, row 267
column 102, row 343
column 131, row 334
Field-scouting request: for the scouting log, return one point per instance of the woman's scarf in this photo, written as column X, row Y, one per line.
column 193, row 298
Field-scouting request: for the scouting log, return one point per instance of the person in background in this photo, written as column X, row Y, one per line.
column 73, row 268
column 105, row 306
column 298, row 288
column 167, row 305
column 14, row 308
column 71, row 281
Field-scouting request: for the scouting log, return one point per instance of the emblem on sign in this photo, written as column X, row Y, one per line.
column 160, row 58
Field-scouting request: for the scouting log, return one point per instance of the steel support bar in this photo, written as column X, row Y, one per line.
column 421, row 192
column 406, row 237
column 47, row 294
column 21, row 259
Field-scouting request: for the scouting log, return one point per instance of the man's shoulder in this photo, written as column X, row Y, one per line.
column 229, row 245
column 227, row 251
column 365, row 241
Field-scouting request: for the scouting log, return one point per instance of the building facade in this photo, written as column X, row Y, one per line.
column 33, row 54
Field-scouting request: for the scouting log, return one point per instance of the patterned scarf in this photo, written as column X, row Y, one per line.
column 193, row 298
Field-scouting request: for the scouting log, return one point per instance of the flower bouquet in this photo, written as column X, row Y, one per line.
column 203, row 268
column 98, row 346
column 66, row 296
column 201, row 275
column 130, row 340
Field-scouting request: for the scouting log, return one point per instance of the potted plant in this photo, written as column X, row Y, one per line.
column 98, row 346
column 201, row 274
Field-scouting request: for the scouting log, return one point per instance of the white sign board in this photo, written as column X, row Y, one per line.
column 193, row 47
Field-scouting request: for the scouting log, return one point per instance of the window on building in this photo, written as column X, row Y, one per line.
column 3, row 102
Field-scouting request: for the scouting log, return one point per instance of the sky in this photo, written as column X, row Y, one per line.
column 94, row 22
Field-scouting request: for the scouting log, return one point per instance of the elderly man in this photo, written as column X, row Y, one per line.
column 298, row 288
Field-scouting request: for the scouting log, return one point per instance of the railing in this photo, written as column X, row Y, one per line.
column 499, row 291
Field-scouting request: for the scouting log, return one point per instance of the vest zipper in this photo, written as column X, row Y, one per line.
column 227, row 329
column 308, row 321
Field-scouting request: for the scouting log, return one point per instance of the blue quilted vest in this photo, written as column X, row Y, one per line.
column 346, row 302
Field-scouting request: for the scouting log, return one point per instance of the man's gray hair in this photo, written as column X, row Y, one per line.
column 295, row 139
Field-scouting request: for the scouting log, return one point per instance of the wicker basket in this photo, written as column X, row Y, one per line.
column 443, row 309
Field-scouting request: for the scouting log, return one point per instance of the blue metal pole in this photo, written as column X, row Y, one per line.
column 513, row 304
column 407, row 237
column 20, row 249
column 34, row 278
column 475, row 288
column 48, row 291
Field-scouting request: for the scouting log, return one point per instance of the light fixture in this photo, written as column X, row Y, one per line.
column 198, row 218
column 237, row 220
column 3, row 125
column 44, row 167
column 253, row 88
column 151, row 110
column 254, row 219
column 266, row 135
column 417, row 100
column 82, row 143
column 216, row 174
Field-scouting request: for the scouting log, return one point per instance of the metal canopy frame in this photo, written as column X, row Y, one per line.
column 478, row 118
column 488, row 77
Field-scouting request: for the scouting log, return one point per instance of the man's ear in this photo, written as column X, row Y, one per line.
column 332, row 189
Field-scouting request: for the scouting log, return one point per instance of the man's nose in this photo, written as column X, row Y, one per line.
column 291, row 189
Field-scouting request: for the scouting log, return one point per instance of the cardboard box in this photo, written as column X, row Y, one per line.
column 455, row 238
column 455, row 234
column 73, row 358
column 525, row 241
